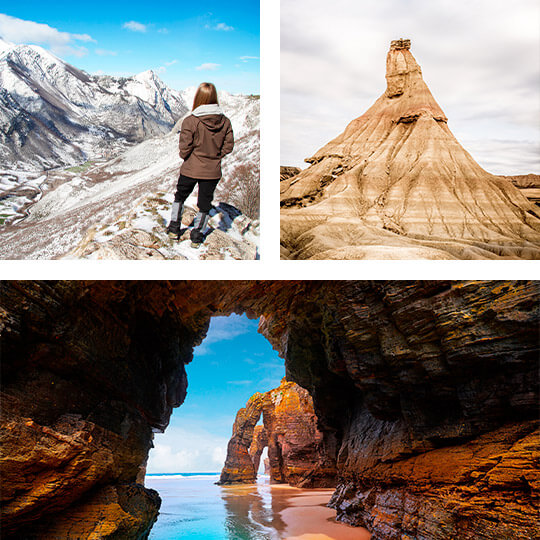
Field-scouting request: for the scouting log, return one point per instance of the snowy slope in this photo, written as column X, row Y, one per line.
column 52, row 113
column 122, row 201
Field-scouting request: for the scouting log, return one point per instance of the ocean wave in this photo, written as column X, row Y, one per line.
column 182, row 475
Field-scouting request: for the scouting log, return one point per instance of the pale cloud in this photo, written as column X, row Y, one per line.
column 247, row 58
column 481, row 61
column 163, row 69
column 135, row 26
column 163, row 31
column 104, row 52
column 240, row 383
column 187, row 450
column 224, row 329
column 208, row 67
column 61, row 43
column 223, row 27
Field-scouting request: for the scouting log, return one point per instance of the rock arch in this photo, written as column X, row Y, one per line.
column 298, row 453
column 430, row 389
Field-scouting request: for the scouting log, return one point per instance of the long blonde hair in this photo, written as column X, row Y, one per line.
column 206, row 94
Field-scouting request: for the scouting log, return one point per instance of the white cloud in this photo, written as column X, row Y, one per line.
column 163, row 31
column 20, row 31
column 187, row 450
column 223, row 329
column 223, row 27
column 481, row 61
column 171, row 63
column 207, row 67
column 104, row 52
column 135, row 26
column 247, row 58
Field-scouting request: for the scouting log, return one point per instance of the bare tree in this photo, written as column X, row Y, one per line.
column 244, row 190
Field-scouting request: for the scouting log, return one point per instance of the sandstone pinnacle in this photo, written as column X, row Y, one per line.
column 397, row 184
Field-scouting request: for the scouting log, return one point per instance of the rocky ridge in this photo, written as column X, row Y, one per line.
column 397, row 184
column 429, row 391
column 54, row 114
column 297, row 454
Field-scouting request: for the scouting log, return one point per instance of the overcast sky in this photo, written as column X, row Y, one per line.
column 480, row 59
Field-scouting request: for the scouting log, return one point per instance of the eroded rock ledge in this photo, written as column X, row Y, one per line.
column 298, row 453
column 430, row 390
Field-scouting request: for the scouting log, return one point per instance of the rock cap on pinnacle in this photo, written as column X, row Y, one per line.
column 400, row 44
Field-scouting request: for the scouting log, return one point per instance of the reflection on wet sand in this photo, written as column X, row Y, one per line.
column 263, row 512
column 253, row 511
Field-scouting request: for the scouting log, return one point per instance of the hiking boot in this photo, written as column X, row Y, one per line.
column 173, row 229
column 197, row 233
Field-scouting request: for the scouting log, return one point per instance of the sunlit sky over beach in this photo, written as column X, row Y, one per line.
column 233, row 362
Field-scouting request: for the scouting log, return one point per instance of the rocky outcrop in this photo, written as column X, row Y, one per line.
column 426, row 392
column 143, row 235
column 239, row 466
column 397, row 184
column 288, row 172
column 297, row 453
column 528, row 184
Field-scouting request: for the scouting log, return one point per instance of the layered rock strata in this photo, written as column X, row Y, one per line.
column 297, row 452
column 397, row 184
column 428, row 390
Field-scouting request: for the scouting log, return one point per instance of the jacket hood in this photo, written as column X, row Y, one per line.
column 211, row 116
column 203, row 110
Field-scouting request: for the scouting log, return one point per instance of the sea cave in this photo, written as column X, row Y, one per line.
column 425, row 395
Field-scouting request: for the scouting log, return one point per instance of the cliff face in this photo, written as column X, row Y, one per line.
column 397, row 184
column 427, row 393
column 297, row 450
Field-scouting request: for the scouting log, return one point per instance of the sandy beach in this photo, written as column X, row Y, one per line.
column 308, row 518
column 299, row 514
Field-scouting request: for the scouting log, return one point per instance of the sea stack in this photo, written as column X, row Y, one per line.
column 396, row 184
column 298, row 453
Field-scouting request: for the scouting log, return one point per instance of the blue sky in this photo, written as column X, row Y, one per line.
column 233, row 363
column 185, row 42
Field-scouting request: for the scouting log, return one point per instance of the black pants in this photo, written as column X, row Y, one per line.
column 206, row 191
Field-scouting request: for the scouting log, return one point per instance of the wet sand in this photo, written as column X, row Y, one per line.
column 308, row 518
column 297, row 514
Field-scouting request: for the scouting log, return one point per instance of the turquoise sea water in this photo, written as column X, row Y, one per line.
column 194, row 507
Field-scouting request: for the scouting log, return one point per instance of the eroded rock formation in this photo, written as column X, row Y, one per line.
column 298, row 453
column 429, row 391
column 287, row 172
column 397, row 184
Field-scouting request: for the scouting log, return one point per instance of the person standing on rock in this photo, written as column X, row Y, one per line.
column 206, row 136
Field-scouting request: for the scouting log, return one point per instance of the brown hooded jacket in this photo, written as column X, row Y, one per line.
column 204, row 140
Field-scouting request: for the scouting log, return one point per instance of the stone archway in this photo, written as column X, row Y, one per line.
column 298, row 453
column 429, row 388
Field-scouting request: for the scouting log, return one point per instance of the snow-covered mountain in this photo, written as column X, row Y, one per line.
column 53, row 114
column 123, row 134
